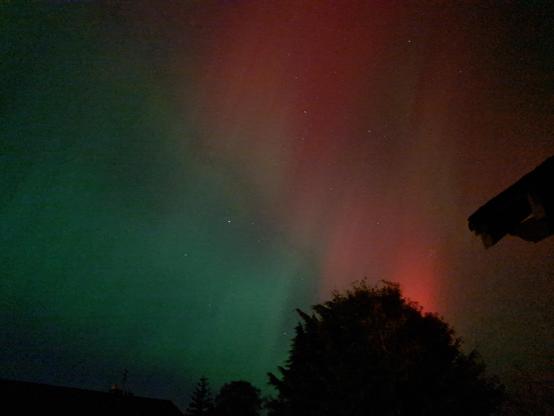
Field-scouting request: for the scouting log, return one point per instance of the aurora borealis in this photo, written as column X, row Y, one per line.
column 177, row 179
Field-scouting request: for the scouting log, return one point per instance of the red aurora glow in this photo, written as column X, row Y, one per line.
column 298, row 92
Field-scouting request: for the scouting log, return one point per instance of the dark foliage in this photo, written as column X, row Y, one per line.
column 201, row 403
column 372, row 352
column 238, row 398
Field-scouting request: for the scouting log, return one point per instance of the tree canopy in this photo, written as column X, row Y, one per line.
column 371, row 351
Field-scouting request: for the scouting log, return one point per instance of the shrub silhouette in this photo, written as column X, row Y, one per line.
column 238, row 398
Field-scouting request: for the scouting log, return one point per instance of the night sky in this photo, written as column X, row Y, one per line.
column 177, row 179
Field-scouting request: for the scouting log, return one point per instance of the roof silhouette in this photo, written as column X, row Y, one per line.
column 32, row 398
column 525, row 209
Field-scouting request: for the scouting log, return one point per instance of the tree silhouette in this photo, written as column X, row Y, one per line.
column 370, row 351
column 201, row 402
column 238, row 398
